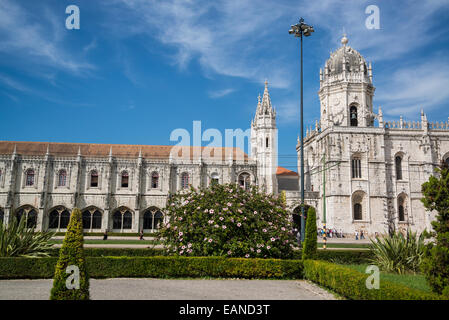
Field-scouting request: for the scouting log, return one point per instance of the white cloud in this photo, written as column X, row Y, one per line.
column 220, row 93
column 226, row 37
column 404, row 25
column 39, row 40
column 414, row 87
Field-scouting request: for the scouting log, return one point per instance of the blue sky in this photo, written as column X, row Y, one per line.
column 136, row 70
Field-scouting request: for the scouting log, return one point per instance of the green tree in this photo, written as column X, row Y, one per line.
column 226, row 220
column 71, row 254
column 310, row 240
column 436, row 260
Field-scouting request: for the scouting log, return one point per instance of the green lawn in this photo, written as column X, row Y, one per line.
column 416, row 281
column 112, row 241
column 345, row 245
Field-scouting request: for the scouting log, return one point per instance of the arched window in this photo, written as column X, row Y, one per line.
column 96, row 220
column 401, row 208
column 356, row 167
column 29, row 214
column 353, row 116
column 59, row 218
column 29, row 178
column 92, row 218
column 125, row 179
column 185, row 180
column 244, row 181
column 358, row 203
column 122, row 219
column 214, row 179
column 2, row 216
column 445, row 161
column 62, row 178
column 127, row 220
column 154, row 180
column 152, row 219
column 357, row 211
column 398, row 164
column 94, row 178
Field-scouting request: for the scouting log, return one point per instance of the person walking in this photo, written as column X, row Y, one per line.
column 356, row 235
column 105, row 235
column 141, row 235
column 361, row 235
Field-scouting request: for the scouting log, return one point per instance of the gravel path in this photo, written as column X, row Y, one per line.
column 162, row 289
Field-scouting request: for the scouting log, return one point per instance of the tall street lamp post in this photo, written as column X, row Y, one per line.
column 299, row 30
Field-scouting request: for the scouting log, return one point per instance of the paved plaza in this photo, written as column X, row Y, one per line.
column 162, row 289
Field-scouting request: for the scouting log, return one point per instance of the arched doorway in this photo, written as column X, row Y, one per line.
column 92, row 217
column 59, row 218
column 122, row 219
column 30, row 215
column 152, row 219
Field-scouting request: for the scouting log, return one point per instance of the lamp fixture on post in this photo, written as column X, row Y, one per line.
column 299, row 30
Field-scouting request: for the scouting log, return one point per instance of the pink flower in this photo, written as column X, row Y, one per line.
column 229, row 252
column 181, row 252
column 216, row 226
column 247, row 255
column 229, row 204
column 221, row 218
column 273, row 239
column 180, row 233
column 224, row 227
column 189, row 245
column 210, row 240
column 183, row 247
column 255, row 212
column 268, row 247
column 264, row 230
column 258, row 251
column 239, row 224
column 211, row 211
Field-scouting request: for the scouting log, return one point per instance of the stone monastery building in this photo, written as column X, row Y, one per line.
column 374, row 169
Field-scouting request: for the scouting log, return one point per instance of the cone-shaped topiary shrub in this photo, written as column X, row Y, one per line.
column 310, row 240
column 71, row 255
column 226, row 220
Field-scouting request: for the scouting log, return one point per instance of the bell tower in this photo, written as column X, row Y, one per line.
column 264, row 147
column 346, row 89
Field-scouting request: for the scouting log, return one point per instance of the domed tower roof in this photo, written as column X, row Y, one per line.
column 346, row 59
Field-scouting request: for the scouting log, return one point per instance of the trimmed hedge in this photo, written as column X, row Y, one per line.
column 337, row 256
column 159, row 267
column 352, row 284
column 113, row 234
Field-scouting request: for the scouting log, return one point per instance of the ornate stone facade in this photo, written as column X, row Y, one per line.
column 124, row 188
column 374, row 169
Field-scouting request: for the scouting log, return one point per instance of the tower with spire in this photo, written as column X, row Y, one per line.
column 264, row 147
column 346, row 89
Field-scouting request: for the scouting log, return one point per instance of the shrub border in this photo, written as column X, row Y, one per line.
column 158, row 267
column 352, row 283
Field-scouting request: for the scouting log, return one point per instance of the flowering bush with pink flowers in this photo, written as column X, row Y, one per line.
column 226, row 220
